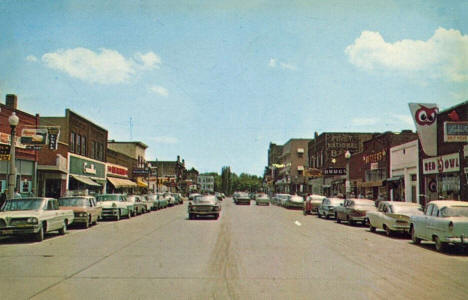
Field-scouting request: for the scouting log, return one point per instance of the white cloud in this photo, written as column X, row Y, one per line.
column 364, row 121
column 31, row 58
column 273, row 63
column 106, row 66
column 159, row 90
column 441, row 56
column 164, row 140
column 149, row 60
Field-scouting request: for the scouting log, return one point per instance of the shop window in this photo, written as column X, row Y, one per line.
column 414, row 177
column 72, row 142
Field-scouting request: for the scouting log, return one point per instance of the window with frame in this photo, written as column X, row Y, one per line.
column 78, row 144
column 72, row 142
column 83, row 145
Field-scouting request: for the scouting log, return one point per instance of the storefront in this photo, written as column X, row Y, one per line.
column 117, row 176
column 86, row 174
column 442, row 177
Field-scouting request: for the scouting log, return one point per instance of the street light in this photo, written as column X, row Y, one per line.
column 13, row 120
column 347, row 183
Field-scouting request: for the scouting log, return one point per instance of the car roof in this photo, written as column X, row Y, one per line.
column 400, row 203
column 449, row 203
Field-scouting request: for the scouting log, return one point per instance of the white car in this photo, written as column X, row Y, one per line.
column 393, row 216
column 444, row 222
column 294, row 201
column 33, row 216
column 115, row 206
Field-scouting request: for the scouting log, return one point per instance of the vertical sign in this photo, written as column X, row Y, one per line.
column 425, row 120
column 54, row 133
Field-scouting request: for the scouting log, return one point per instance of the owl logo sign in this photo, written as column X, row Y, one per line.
column 425, row 120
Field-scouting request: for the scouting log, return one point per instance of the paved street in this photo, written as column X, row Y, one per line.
column 249, row 253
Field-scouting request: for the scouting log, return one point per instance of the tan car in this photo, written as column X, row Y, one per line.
column 84, row 208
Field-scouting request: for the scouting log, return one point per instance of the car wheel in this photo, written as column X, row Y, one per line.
column 86, row 224
column 440, row 246
column 415, row 239
column 63, row 230
column 372, row 228
column 319, row 215
column 338, row 220
column 327, row 216
column 117, row 218
column 388, row 231
column 39, row 236
column 190, row 216
column 216, row 216
column 130, row 214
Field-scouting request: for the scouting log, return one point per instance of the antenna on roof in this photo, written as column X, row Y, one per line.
column 131, row 129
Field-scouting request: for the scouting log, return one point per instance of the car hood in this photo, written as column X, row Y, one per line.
column 108, row 204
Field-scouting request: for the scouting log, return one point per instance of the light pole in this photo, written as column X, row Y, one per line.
column 13, row 120
column 148, row 171
column 347, row 183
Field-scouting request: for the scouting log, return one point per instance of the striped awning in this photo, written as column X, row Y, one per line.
column 85, row 180
column 121, row 182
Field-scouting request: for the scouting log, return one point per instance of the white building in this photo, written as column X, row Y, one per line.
column 404, row 173
column 206, row 183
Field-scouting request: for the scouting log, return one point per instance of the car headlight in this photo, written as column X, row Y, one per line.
column 32, row 221
column 83, row 214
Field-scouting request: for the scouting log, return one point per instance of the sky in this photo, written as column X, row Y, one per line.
column 216, row 81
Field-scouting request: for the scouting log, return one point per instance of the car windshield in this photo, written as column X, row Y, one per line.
column 406, row 210
column 205, row 199
column 454, row 211
column 22, row 204
column 102, row 198
column 74, row 202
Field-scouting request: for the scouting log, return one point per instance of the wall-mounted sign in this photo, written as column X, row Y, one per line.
column 89, row 168
column 374, row 157
column 117, row 170
column 374, row 166
column 455, row 132
column 140, row 171
column 442, row 164
column 4, row 152
column 54, row 133
column 34, row 136
column 334, row 171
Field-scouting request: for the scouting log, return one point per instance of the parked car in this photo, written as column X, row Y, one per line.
column 153, row 199
column 115, row 206
column 294, row 201
column 204, row 206
column 280, row 199
column 262, row 199
column 444, row 222
column 33, row 216
column 169, row 198
column 85, row 209
column 393, row 216
column 162, row 199
column 311, row 204
column 192, row 196
column 235, row 195
column 139, row 204
column 178, row 198
column 242, row 198
column 354, row 210
column 219, row 196
column 328, row 206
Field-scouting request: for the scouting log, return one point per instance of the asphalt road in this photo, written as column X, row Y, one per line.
column 249, row 253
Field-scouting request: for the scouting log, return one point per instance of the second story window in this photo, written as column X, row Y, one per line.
column 72, row 142
column 78, row 144
column 84, row 146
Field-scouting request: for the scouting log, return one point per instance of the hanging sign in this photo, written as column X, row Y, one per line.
column 442, row 164
column 4, row 152
column 53, row 133
column 33, row 136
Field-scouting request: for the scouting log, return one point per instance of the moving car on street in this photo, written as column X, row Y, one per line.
column 311, row 203
column 115, row 206
column 294, row 201
column 33, row 216
column 354, row 210
column 328, row 206
column 84, row 208
column 262, row 199
column 205, row 205
column 393, row 216
column 444, row 222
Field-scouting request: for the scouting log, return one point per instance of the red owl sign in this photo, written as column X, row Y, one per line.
column 425, row 119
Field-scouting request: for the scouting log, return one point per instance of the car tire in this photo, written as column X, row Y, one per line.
column 117, row 218
column 372, row 228
column 388, row 231
column 39, row 236
column 216, row 216
column 439, row 245
column 63, row 230
column 87, row 223
column 338, row 220
column 319, row 215
column 327, row 216
column 190, row 216
column 130, row 214
column 415, row 239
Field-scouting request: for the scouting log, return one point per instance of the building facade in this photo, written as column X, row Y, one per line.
column 205, row 183
column 404, row 172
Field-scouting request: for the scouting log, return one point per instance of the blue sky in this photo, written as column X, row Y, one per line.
column 216, row 81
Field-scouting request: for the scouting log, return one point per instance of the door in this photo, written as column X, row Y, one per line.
column 53, row 187
column 413, row 194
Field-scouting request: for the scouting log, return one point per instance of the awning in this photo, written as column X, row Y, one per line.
column 394, row 178
column 141, row 183
column 121, row 183
column 85, row 180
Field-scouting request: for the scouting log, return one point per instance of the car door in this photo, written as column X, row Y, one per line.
column 52, row 215
column 92, row 209
column 434, row 222
column 423, row 225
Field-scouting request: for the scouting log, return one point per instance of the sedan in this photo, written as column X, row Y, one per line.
column 354, row 210
column 262, row 199
column 328, row 206
column 393, row 216
column 206, row 205
column 294, row 201
column 84, row 208
column 444, row 222
column 312, row 203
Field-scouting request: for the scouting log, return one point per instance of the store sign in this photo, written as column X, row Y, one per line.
column 425, row 120
column 140, row 171
column 374, row 166
column 441, row 164
column 117, row 170
column 34, row 136
column 89, row 168
column 4, row 152
column 455, row 132
column 334, row 171
column 374, row 157
column 54, row 133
